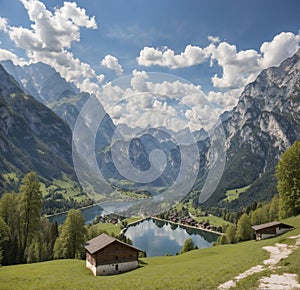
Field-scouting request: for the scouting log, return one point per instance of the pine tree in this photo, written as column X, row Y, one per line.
column 230, row 234
column 30, row 206
column 9, row 214
column 53, row 235
column 222, row 240
column 69, row 244
column 244, row 231
column 260, row 216
column 4, row 237
column 274, row 208
column 288, row 185
column 188, row 246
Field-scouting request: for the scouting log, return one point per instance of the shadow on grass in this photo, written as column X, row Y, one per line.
column 142, row 264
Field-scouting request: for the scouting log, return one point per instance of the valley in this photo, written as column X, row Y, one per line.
column 252, row 152
column 200, row 269
column 149, row 145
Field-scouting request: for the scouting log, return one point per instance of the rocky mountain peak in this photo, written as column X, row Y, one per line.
column 263, row 102
column 32, row 137
column 261, row 127
column 40, row 80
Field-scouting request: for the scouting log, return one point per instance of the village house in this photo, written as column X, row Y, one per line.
column 271, row 229
column 106, row 255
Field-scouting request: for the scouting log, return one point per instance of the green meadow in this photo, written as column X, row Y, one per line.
column 233, row 194
column 198, row 269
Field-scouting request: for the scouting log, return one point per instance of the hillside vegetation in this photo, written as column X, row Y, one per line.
column 199, row 269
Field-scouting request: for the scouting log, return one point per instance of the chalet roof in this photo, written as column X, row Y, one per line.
column 268, row 225
column 102, row 241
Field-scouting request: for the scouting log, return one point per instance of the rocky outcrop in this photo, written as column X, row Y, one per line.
column 261, row 127
column 32, row 137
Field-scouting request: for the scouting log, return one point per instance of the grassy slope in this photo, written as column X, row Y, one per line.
column 288, row 265
column 233, row 194
column 112, row 228
column 199, row 269
column 213, row 220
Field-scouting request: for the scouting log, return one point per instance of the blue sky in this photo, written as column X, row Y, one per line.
column 218, row 45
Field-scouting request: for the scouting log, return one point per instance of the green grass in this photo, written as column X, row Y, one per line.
column 187, row 205
column 10, row 177
column 292, row 263
column 213, row 220
column 67, row 187
column 133, row 195
column 108, row 227
column 116, row 229
column 233, row 194
column 132, row 219
column 43, row 188
column 288, row 265
column 199, row 269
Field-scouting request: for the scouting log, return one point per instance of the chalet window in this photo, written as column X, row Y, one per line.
column 117, row 267
column 116, row 257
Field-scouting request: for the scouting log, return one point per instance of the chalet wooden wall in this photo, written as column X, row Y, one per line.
column 91, row 258
column 115, row 253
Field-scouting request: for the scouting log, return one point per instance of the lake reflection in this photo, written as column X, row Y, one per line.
column 158, row 238
column 89, row 213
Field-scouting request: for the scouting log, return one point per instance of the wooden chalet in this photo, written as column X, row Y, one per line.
column 106, row 255
column 271, row 229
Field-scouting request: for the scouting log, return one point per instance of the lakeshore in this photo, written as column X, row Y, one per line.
column 159, row 237
column 98, row 210
column 171, row 222
column 189, row 226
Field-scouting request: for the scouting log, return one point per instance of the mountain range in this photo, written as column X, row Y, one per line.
column 263, row 124
column 47, row 86
column 32, row 137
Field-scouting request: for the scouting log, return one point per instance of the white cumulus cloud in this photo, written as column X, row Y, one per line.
column 111, row 62
column 213, row 39
column 147, row 100
column 239, row 67
column 282, row 46
column 50, row 37
column 9, row 55
column 192, row 55
column 3, row 24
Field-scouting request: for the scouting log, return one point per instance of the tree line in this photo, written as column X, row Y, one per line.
column 242, row 230
column 284, row 205
column 27, row 236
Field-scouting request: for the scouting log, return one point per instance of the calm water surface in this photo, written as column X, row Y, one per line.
column 158, row 238
column 88, row 213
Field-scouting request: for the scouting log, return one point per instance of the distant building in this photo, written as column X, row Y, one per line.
column 271, row 229
column 106, row 255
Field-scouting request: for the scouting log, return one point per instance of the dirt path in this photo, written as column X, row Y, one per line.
column 277, row 253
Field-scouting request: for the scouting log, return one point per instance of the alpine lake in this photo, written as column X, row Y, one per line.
column 155, row 237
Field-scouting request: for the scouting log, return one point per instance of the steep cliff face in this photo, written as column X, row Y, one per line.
column 40, row 81
column 258, row 130
column 32, row 137
column 47, row 86
column 271, row 105
column 261, row 127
